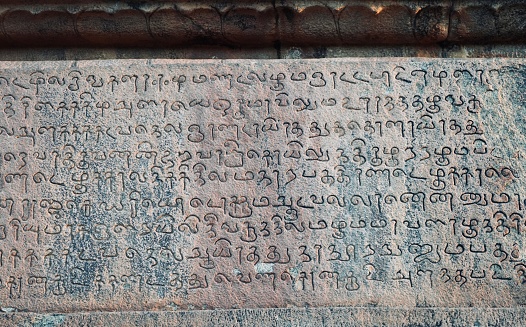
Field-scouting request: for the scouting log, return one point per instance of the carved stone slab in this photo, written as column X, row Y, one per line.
column 146, row 185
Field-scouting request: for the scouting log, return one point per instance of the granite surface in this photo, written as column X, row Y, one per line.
column 161, row 185
column 291, row 317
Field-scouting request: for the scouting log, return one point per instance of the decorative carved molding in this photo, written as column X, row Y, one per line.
column 259, row 23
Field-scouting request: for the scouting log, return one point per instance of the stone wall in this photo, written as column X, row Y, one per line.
column 372, row 175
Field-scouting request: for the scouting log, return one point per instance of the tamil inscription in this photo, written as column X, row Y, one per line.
column 143, row 185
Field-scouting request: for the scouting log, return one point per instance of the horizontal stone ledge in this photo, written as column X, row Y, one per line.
column 259, row 23
column 304, row 317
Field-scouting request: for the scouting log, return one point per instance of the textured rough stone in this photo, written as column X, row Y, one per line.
column 161, row 185
column 294, row 317
column 472, row 51
column 486, row 21
column 261, row 23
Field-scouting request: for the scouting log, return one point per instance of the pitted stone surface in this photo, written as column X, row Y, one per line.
column 149, row 185
column 294, row 317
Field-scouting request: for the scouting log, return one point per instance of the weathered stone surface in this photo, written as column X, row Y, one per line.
column 155, row 185
column 260, row 23
column 486, row 21
column 294, row 317
column 472, row 51
column 234, row 23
